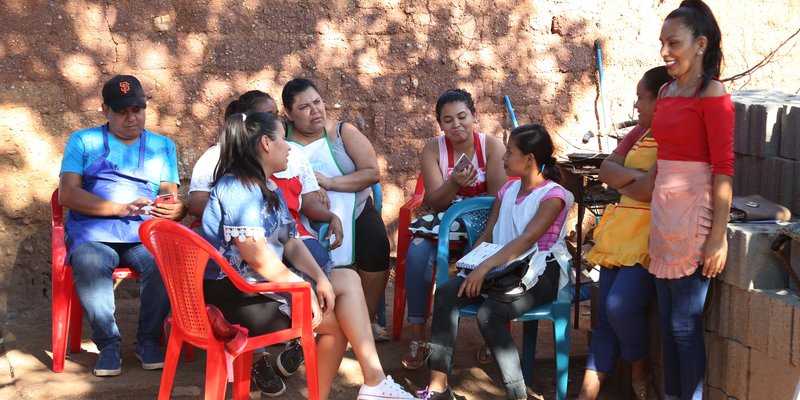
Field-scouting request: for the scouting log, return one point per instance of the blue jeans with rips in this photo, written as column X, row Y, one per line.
column 420, row 261
column 92, row 266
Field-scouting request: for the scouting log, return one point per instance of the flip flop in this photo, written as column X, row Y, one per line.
column 484, row 355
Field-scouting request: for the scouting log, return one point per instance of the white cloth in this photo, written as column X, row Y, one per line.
column 511, row 223
column 343, row 204
column 203, row 171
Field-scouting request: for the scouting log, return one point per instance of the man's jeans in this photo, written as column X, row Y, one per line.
column 92, row 266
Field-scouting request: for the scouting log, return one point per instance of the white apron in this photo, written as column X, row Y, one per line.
column 343, row 204
column 512, row 222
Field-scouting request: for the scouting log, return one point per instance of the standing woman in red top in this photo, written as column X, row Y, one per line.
column 693, row 126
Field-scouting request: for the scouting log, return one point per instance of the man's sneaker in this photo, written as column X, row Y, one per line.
column 385, row 390
column 109, row 362
column 431, row 395
column 266, row 380
column 150, row 356
column 290, row 359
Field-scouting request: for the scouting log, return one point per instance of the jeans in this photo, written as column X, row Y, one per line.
column 622, row 324
column 492, row 319
column 420, row 263
column 680, row 307
column 92, row 266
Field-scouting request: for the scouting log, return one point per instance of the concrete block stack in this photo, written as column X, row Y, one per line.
column 752, row 325
column 767, row 146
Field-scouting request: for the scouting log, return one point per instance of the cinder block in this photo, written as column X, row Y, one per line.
column 779, row 180
column 750, row 263
column 795, row 207
column 711, row 321
column 790, row 133
column 712, row 393
column 794, row 261
column 738, row 173
column 758, row 318
column 779, row 343
column 764, row 129
column 739, row 314
column 722, row 308
column 771, row 378
column 740, row 126
column 752, row 177
column 796, row 339
column 716, row 349
column 736, row 379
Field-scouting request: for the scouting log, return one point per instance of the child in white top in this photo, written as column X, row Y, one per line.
column 528, row 220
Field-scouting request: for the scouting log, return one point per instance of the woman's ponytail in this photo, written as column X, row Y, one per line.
column 534, row 139
column 238, row 155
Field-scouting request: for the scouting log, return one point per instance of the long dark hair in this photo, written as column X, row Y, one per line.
column 292, row 88
column 454, row 96
column 699, row 19
column 246, row 102
column 238, row 155
column 534, row 139
column 654, row 78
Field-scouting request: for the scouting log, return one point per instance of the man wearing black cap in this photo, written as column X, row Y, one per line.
column 110, row 177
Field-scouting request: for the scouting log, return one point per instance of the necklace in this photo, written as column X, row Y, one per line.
column 679, row 89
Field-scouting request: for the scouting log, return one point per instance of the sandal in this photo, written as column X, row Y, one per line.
column 645, row 390
column 418, row 353
column 484, row 355
column 379, row 334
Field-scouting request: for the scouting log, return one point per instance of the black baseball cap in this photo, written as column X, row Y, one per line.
column 122, row 91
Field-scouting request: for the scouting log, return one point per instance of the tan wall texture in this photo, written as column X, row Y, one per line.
column 380, row 64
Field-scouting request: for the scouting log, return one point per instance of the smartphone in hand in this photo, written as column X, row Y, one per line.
column 168, row 198
column 462, row 163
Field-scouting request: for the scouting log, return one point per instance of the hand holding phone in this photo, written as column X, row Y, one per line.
column 462, row 163
column 168, row 198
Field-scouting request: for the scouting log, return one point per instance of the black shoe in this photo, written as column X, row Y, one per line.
column 290, row 359
column 431, row 395
column 266, row 380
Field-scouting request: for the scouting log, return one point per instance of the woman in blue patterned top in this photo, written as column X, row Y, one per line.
column 247, row 220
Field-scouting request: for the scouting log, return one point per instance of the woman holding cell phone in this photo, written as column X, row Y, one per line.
column 460, row 164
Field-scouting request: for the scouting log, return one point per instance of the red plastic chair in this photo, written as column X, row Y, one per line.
column 67, row 311
column 403, row 242
column 181, row 256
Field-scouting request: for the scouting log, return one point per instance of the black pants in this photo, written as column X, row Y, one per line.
column 372, row 242
column 258, row 313
column 492, row 318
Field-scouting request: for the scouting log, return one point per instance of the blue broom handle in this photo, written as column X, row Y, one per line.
column 511, row 112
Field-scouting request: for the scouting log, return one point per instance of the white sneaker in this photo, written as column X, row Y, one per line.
column 387, row 389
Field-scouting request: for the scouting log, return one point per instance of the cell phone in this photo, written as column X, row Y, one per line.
column 462, row 163
column 168, row 198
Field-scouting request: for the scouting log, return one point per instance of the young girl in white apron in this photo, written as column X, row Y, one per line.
column 528, row 220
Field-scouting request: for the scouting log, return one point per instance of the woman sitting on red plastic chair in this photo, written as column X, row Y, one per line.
column 302, row 195
column 247, row 219
column 445, row 183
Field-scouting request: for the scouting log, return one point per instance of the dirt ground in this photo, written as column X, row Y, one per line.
column 26, row 361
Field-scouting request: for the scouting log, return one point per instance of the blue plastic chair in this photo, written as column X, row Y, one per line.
column 557, row 311
column 377, row 200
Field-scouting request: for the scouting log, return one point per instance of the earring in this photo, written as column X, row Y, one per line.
column 700, row 53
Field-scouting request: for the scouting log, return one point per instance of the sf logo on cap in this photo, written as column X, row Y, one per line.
column 125, row 87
